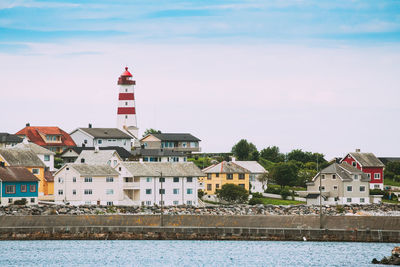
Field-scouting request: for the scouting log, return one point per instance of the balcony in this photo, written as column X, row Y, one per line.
column 131, row 183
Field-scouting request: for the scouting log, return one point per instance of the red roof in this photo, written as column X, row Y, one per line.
column 33, row 134
column 126, row 73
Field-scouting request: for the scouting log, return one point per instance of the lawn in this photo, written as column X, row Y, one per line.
column 391, row 182
column 390, row 201
column 274, row 201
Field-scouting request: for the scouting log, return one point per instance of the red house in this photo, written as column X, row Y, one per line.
column 369, row 164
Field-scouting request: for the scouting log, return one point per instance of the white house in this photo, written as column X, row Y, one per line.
column 101, row 137
column 99, row 157
column 44, row 154
column 84, row 184
column 159, row 155
column 156, row 183
column 255, row 171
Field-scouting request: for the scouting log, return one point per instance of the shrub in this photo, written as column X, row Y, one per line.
column 285, row 193
column 20, row 202
column 200, row 193
column 339, row 209
column 257, row 195
column 256, row 200
column 273, row 189
column 233, row 193
column 376, row 192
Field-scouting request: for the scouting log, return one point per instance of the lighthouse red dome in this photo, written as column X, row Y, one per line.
column 126, row 73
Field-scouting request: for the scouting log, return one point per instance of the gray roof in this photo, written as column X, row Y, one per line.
column 96, row 157
column 168, row 169
column 225, row 167
column 21, row 157
column 176, row 137
column 157, row 153
column 16, row 174
column 367, row 159
column 345, row 171
column 38, row 150
column 93, row 170
column 9, row 138
column 122, row 152
column 252, row 166
column 106, row 133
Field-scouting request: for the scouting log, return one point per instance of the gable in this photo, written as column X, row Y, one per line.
column 150, row 138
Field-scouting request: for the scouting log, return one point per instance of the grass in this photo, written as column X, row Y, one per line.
column 274, row 201
column 391, row 182
column 390, row 201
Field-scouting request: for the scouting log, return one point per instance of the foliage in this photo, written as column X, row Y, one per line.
column 243, row 149
column 232, row 193
column 20, row 201
column 284, row 174
column 257, row 195
column 201, row 162
column 151, row 131
column 392, row 182
column 273, row 189
column 376, row 192
column 58, row 162
column 200, row 193
column 339, row 209
column 304, row 176
column 263, row 178
column 285, row 193
column 272, row 154
column 255, row 155
column 393, row 167
column 304, row 157
column 255, row 201
column 274, row 201
column 266, row 163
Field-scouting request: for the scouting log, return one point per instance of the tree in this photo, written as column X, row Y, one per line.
column 151, row 131
column 263, row 179
column 233, row 193
column 255, row 155
column 284, row 174
column 272, row 154
column 304, row 176
column 243, row 149
column 304, row 156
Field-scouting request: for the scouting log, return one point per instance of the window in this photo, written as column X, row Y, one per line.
column 32, row 200
column 32, row 188
column 377, row 176
column 241, row 176
column 229, row 176
column 176, row 202
column 193, row 144
column 184, row 144
column 46, row 157
column 60, row 192
column 110, row 179
column 354, row 164
column 362, row 188
column 88, row 192
column 209, row 176
column 217, row 175
column 376, row 186
column 369, row 176
column 189, row 179
column 148, row 191
column 109, row 203
column 120, row 169
column 335, row 187
column 23, row 187
column 74, row 191
column 109, row 192
column 322, row 188
column 355, row 177
column 362, row 200
column 128, row 180
column 189, row 202
column 242, row 185
column 333, row 176
column 109, row 163
column 323, row 176
column 88, row 179
column 349, row 188
column 217, row 186
column 60, row 180
column 209, row 187
column 176, row 179
column 148, row 203
column 115, row 162
column 162, row 180
column 252, row 177
column 74, row 179
column 10, row 189
column 189, row 191
column 35, row 171
column 126, row 90
column 126, row 103
column 99, row 141
column 126, row 116
column 148, row 179
column 162, row 191
column 161, row 202
column 85, row 141
column 348, row 199
column 176, row 191
column 10, row 200
column 88, row 203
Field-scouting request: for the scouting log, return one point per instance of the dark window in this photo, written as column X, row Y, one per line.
column 23, row 187
column 32, row 200
column 32, row 188
column 216, row 186
column 229, row 176
column 217, row 175
column 209, row 187
column 209, row 176
column 241, row 176
column 189, row 179
column 176, row 179
column 242, row 185
column 162, row 191
column 10, row 189
column 162, row 180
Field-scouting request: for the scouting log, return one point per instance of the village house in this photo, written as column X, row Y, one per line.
column 224, row 173
column 17, row 183
column 99, row 157
column 159, row 155
column 71, row 154
column 52, row 138
column 369, row 164
column 16, row 157
column 101, row 137
column 9, row 140
column 45, row 155
column 84, row 184
column 159, row 183
column 256, row 170
column 181, row 142
column 339, row 184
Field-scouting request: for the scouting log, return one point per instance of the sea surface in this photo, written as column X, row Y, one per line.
column 190, row 253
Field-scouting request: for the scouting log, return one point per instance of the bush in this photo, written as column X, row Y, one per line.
column 20, row 202
column 273, row 189
column 200, row 193
column 376, row 192
column 256, row 200
column 339, row 209
column 257, row 195
column 233, row 193
column 285, row 193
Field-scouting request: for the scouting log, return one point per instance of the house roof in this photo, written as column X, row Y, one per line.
column 21, row 157
column 48, row 176
column 122, row 152
column 176, row 137
column 91, row 170
column 105, row 133
column 345, row 171
column 16, row 174
column 157, row 153
column 98, row 157
column 38, row 150
column 168, row 169
column 33, row 134
column 225, row 167
column 252, row 166
column 366, row 159
column 9, row 138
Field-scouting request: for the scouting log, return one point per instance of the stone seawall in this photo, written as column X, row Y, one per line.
column 235, row 227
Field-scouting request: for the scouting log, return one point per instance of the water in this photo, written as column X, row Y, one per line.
column 189, row 253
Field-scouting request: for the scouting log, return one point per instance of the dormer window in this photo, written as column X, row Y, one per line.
column 354, row 164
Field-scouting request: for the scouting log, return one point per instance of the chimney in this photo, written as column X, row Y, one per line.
column 96, row 149
column 90, row 125
column 358, row 150
column 28, row 124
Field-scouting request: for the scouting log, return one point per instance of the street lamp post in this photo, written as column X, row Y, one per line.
column 162, row 200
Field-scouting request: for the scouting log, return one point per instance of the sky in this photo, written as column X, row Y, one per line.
column 321, row 76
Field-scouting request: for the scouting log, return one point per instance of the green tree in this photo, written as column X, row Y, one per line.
column 151, row 131
column 255, row 155
column 272, row 154
column 304, row 156
column 263, row 179
column 243, row 149
column 284, row 174
column 393, row 167
column 233, row 193
column 304, row 176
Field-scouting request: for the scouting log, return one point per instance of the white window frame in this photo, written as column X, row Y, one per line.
column 88, row 180
column 377, row 176
column 347, row 188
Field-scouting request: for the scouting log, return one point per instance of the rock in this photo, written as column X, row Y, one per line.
column 396, row 252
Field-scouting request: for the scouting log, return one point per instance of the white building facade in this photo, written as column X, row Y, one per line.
column 101, row 137
column 255, row 170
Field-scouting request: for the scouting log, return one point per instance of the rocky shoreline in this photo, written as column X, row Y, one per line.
column 345, row 210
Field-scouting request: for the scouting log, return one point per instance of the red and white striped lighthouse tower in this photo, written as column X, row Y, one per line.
column 126, row 120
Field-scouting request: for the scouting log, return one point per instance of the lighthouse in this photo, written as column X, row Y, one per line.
column 126, row 114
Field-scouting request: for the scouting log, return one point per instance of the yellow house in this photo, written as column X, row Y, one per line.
column 28, row 159
column 224, row 173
